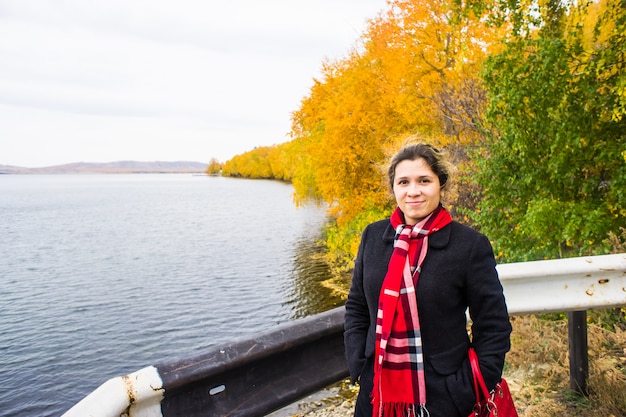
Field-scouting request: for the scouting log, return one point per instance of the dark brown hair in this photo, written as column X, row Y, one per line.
column 433, row 157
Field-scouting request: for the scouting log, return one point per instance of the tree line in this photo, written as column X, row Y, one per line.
column 527, row 98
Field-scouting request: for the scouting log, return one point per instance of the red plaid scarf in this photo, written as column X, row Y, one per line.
column 399, row 385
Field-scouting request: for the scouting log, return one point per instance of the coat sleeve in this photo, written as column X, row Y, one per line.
column 357, row 319
column 491, row 327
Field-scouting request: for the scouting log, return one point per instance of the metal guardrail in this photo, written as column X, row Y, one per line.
column 561, row 285
column 249, row 377
column 257, row 375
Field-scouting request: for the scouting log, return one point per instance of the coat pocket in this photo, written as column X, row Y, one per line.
column 453, row 366
column 449, row 361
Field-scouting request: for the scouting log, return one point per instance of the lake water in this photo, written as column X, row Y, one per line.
column 102, row 275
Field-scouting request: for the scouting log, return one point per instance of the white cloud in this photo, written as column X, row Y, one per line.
column 82, row 80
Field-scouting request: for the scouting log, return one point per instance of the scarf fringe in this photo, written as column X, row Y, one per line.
column 388, row 409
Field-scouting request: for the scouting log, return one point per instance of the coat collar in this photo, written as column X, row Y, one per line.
column 438, row 240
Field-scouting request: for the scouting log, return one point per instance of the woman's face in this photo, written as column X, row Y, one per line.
column 417, row 189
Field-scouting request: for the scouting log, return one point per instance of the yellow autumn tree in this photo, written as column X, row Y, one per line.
column 415, row 71
column 251, row 164
column 214, row 167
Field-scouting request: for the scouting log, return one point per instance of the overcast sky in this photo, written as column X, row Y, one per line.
column 167, row 80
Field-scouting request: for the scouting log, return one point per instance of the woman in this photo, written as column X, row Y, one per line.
column 414, row 277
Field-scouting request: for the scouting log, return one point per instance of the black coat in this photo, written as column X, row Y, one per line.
column 458, row 272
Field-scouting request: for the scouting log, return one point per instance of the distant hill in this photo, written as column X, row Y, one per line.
column 119, row 167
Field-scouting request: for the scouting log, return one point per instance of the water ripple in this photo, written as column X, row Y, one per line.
column 108, row 274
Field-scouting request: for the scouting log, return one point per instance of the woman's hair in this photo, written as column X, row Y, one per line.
column 433, row 157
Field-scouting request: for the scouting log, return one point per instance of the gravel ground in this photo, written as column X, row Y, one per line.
column 331, row 402
column 343, row 409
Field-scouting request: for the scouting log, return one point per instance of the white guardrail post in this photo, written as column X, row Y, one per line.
column 136, row 395
column 571, row 285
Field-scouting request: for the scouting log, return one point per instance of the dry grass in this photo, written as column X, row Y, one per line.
column 538, row 370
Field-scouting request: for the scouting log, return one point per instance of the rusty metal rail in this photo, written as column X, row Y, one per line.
column 257, row 375
column 250, row 377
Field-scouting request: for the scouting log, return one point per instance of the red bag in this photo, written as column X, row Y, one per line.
column 498, row 403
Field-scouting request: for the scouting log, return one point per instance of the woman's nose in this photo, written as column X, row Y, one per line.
column 414, row 189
